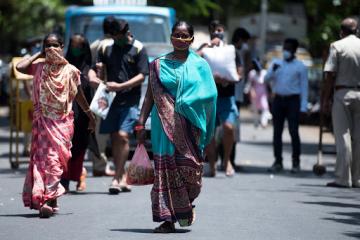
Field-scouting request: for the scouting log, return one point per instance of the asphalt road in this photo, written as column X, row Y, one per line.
column 251, row 205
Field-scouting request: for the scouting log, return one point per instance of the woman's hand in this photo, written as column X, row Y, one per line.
column 141, row 136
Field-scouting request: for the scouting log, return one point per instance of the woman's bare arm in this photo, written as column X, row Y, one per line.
column 23, row 65
column 144, row 114
column 147, row 106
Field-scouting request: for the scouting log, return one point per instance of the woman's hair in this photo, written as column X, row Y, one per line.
column 58, row 37
column 188, row 26
column 86, row 57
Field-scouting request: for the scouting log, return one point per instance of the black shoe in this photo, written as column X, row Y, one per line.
column 276, row 167
column 295, row 169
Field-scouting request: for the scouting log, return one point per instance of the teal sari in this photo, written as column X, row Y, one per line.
column 182, row 124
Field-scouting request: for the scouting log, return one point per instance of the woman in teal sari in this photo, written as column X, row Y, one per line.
column 182, row 99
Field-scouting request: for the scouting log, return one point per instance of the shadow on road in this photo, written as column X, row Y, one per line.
column 352, row 234
column 146, row 230
column 30, row 215
column 248, row 169
column 306, row 148
column 74, row 193
column 335, row 204
column 351, row 218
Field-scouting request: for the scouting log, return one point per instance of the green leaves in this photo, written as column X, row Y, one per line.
column 23, row 19
column 188, row 9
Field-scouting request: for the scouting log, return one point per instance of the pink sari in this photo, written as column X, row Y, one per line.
column 52, row 131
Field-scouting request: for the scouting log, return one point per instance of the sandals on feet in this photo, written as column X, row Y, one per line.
column 166, row 227
column 124, row 188
column 114, row 188
column 53, row 204
column 45, row 211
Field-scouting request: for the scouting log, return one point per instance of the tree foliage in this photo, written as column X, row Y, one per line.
column 189, row 9
column 23, row 19
column 324, row 17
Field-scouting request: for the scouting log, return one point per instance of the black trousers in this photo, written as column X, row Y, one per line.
column 286, row 108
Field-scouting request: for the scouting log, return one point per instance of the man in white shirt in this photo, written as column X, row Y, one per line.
column 342, row 73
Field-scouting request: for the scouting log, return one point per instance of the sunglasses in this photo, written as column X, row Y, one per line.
column 55, row 45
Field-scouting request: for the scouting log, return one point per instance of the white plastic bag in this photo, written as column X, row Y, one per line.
column 102, row 101
column 222, row 61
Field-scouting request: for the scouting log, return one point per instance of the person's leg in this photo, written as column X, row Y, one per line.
column 228, row 144
column 99, row 163
column 120, row 151
column 278, row 125
column 341, row 116
column 211, row 155
column 127, row 117
column 355, row 136
column 293, row 116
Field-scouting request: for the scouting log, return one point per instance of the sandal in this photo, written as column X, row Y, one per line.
column 114, row 189
column 45, row 211
column 193, row 215
column 125, row 188
column 53, row 204
column 166, row 227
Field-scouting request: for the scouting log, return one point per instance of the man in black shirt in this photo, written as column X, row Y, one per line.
column 226, row 110
column 126, row 65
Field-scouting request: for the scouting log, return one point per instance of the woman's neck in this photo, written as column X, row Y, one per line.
column 180, row 55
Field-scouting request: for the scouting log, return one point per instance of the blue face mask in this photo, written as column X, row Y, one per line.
column 219, row 35
column 287, row 55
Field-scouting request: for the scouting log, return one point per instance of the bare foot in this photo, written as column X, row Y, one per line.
column 229, row 170
column 45, row 211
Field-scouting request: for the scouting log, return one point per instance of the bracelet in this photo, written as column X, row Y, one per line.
column 139, row 127
column 88, row 110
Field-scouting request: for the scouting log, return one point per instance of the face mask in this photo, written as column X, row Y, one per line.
column 121, row 41
column 54, row 56
column 76, row 52
column 287, row 55
column 219, row 35
column 180, row 43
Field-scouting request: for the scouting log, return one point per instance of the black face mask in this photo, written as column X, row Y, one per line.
column 219, row 35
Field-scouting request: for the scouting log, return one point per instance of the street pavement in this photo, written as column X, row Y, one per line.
column 251, row 205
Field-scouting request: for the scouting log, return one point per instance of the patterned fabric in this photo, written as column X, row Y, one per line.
column 50, row 147
column 58, row 85
column 178, row 136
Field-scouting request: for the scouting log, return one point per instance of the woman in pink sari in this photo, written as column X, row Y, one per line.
column 56, row 85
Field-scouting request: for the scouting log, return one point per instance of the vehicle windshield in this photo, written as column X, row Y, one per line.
column 145, row 28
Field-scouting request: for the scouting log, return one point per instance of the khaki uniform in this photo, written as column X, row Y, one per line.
column 344, row 60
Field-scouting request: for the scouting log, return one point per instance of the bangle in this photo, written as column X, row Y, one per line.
column 139, row 127
column 87, row 110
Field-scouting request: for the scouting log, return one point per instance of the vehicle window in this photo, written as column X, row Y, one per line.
column 147, row 29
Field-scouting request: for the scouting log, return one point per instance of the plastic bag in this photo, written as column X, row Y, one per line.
column 140, row 171
column 102, row 100
column 222, row 61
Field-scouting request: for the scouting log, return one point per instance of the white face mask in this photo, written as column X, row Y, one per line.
column 287, row 54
